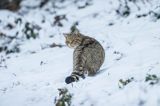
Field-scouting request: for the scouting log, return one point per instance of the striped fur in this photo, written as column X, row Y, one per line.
column 88, row 55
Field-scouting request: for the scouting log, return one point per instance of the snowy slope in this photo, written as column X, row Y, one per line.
column 132, row 45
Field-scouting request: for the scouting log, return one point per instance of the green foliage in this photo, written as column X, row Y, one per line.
column 31, row 30
column 14, row 49
column 123, row 83
column 64, row 98
column 8, row 44
column 152, row 79
column 7, row 50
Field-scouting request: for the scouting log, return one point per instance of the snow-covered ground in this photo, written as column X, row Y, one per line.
column 132, row 46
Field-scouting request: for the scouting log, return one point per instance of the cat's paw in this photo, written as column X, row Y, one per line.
column 69, row 80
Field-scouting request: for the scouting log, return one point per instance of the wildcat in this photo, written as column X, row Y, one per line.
column 88, row 55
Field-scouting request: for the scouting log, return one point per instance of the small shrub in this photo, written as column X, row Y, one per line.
column 152, row 79
column 64, row 98
column 123, row 83
column 31, row 31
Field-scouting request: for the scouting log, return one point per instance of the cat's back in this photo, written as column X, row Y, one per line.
column 92, row 44
column 93, row 53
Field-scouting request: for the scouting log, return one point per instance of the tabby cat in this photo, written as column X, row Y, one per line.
column 88, row 55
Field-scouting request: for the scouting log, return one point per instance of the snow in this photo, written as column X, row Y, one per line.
column 132, row 47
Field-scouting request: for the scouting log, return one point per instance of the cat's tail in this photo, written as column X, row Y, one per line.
column 73, row 78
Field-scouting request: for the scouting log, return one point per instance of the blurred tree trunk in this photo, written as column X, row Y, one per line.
column 12, row 5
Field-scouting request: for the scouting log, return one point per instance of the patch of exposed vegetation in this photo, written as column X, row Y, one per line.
column 64, row 98
column 152, row 79
column 122, row 83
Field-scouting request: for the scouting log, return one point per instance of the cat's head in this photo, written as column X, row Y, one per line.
column 73, row 39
